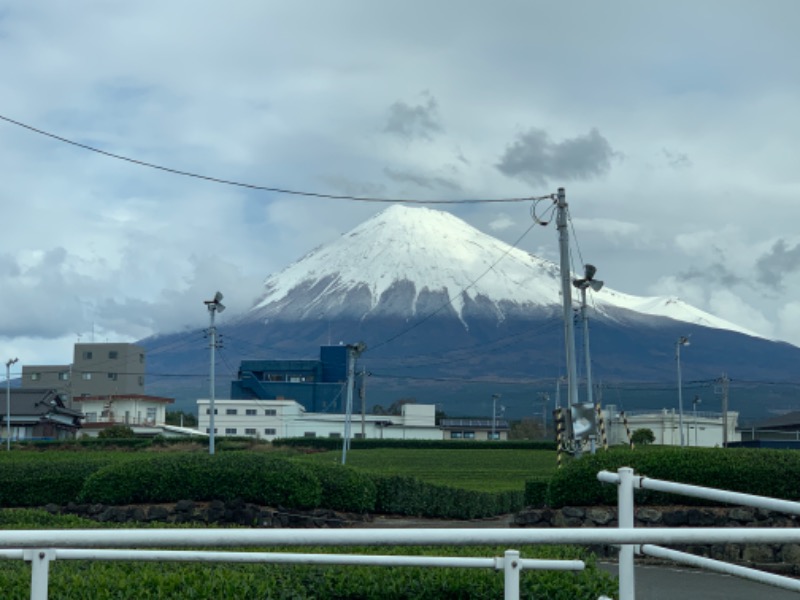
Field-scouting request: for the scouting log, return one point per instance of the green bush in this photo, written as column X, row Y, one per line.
column 256, row 478
column 773, row 473
column 536, row 492
column 57, row 480
column 372, row 443
column 344, row 488
column 400, row 495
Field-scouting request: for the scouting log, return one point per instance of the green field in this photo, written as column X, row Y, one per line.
column 479, row 470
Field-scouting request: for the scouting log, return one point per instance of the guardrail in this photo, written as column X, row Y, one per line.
column 41, row 547
column 627, row 482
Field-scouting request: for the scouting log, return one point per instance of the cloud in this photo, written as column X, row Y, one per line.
column 716, row 273
column 501, row 222
column 772, row 267
column 414, row 122
column 425, row 181
column 677, row 160
column 535, row 158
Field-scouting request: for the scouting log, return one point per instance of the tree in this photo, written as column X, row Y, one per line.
column 643, row 437
column 526, row 429
column 174, row 418
column 116, row 432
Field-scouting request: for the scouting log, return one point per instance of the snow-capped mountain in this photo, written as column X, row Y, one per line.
column 409, row 262
column 451, row 315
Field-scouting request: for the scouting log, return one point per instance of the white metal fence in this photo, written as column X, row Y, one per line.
column 627, row 482
column 41, row 547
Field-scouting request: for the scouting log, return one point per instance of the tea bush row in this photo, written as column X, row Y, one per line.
column 253, row 477
column 773, row 473
column 371, row 444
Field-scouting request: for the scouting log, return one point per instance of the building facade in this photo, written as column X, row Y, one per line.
column 317, row 385
column 97, row 369
column 39, row 414
column 474, row 429
column 272, row 419
column 703, row 429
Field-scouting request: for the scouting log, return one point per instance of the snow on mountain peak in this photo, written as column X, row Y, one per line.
column 411, row 252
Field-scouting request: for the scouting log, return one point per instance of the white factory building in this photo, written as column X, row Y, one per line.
column 271, row 419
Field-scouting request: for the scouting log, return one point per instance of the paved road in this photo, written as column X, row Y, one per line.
column 669, row 583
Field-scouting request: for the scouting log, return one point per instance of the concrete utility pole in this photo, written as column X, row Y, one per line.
column 495, row 398
column 353, row 352
column 682, row 341
column 214, row 306
column 363, row 394
column 724, row 381
column 566, row 294
column 9, row 362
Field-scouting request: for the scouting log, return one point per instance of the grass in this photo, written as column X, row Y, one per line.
column 479, row 470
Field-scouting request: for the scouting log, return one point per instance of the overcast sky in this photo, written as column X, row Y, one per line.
column 674, row 127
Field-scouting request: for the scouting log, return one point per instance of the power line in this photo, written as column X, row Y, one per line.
column 264, row 188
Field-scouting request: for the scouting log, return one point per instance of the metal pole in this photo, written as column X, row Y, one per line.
column 586, row 354
column 40, row 572
column 678, row 345
column 349, row 403
column 212, row 377
column 363, row 395
column 625, row 515
column 511, row 569
column 724, row 410
column 566, row 293
column 9, row 362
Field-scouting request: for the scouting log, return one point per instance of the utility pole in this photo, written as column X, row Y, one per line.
column 353, row 352
column 363, row 394
column 214, row 306
column 725, row 382
column 9, row 362
column 566, row 293
column 495, row 397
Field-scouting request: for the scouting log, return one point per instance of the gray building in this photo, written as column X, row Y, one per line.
column 97, row 369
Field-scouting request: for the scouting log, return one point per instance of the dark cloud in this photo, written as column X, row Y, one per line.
column 414, row 122
column 430, row 182
column 777, row 263
column 535, row 158
column 677, row 160
column 716, row 273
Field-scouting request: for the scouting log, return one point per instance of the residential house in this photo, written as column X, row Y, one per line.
column 39, row 414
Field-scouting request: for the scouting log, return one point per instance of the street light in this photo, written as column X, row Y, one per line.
column 214, row 306
column 9, row 362
column 494, row 412
column 682, row 341
column 697, row 400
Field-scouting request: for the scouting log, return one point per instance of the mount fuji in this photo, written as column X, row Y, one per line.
column 451, row 315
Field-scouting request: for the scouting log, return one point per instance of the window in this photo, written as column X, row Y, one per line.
column 359, row 436
column 335, row 434
column 36, row 376
column 87, row 356
column 492, row 436
column 456, row 435
column 112, row 376
column 91, row 417
column 113, row 354
column 469, row 435
column 63, row 376
column 86, row 376
column 270, row 412
column 276, row 377
column 141, row 359
column 208, row 411
column 250, row 431
column 151, row 414
column 230, row 411
column 209, row 431
column 251, row 412
column 310, row 434
column 270, row 431
column 141, row 379
column 230, row 431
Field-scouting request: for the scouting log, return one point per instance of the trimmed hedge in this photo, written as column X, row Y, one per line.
column 57, row 480
column 400, row 495
column 256, row 478
column 371, row 444
column 773, row 473
column 344, row 489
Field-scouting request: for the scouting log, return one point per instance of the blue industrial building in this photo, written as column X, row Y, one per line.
column 318, row 385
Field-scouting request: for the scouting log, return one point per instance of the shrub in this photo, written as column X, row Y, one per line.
column 772, row 473
column 643, row 437
column 408, row 496
column 57, row 480
column 372, row 443
column 116, row 432
column 344, row 488
column 257, row 478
